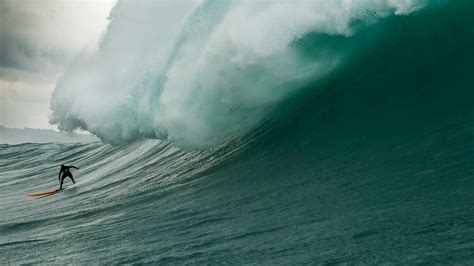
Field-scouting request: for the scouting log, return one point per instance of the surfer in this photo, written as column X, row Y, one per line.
column 65, row 172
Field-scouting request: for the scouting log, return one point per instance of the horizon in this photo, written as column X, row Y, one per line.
column 13, row 136
column 76, row 131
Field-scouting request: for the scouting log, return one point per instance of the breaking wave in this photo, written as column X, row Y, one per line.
column 200, row 72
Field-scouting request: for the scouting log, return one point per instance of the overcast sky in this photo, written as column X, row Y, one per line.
column 38, row 40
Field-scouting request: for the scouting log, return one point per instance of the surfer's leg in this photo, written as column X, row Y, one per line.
column 62, row 180
column 70, row 176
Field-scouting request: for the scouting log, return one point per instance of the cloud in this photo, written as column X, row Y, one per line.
column 39, row 39
column 43, row 36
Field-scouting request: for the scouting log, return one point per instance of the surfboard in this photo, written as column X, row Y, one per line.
column 49, row 192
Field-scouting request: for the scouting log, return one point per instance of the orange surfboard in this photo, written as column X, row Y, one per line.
column 49, row 192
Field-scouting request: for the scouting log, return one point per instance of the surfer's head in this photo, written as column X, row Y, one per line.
column 62, row 165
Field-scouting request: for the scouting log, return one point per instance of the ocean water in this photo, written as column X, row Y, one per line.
column 344, row 134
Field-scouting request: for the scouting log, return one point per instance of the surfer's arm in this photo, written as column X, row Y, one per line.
column 74, row 167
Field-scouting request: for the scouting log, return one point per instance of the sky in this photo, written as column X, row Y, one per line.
column 38, row 40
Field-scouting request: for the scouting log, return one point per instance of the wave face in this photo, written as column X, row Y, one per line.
column 198, row 73
column 347, row 137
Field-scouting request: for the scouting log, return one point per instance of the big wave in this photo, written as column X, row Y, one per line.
column 201, row 72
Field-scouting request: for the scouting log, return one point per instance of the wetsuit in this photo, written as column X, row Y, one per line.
column 65, row 173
